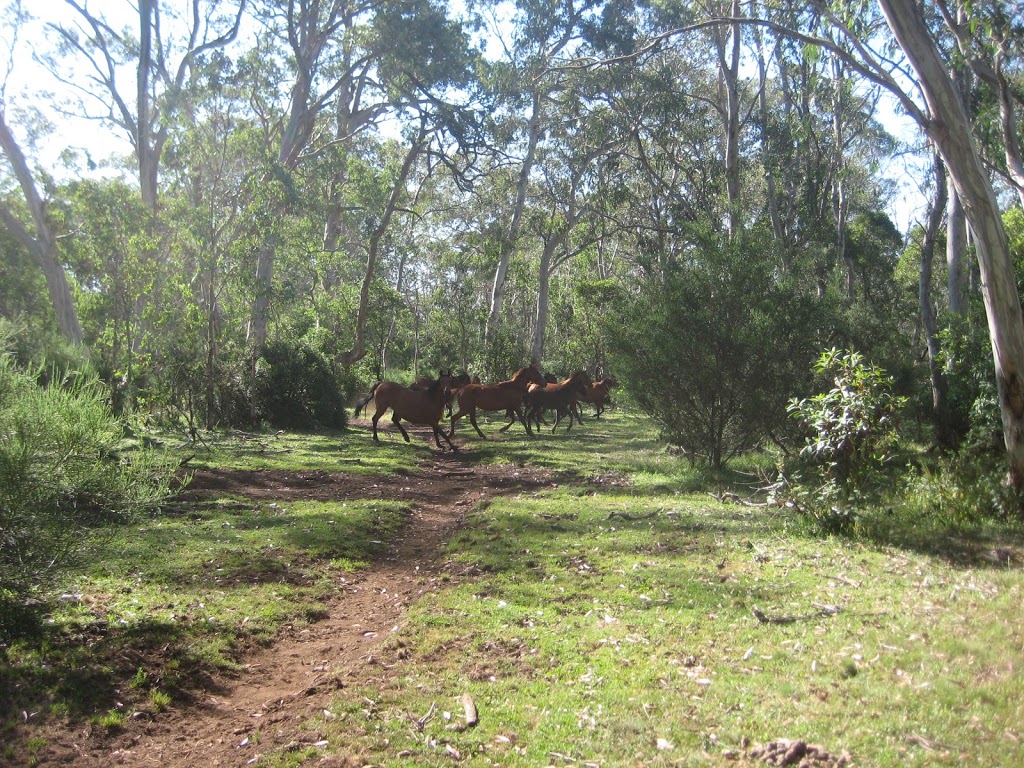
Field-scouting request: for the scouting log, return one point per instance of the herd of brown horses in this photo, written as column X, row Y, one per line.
column 525, row 397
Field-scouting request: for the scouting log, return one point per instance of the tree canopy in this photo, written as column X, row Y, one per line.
column 367, row 190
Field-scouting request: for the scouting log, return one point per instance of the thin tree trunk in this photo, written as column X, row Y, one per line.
column 944, row 436
column 43, row 245
column 729, row 106
column 956, row 248
column 512, row 235
column 358, row 351
column 956, row 222
column 543, row 293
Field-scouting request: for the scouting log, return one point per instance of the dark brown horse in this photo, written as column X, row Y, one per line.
column 417, row 406
column 457, row 382
column 560, row 397
column 503, row 396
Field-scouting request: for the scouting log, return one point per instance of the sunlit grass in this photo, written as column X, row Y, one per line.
column 611, row 619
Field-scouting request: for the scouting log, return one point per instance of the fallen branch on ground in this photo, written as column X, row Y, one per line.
column 823, row 611
column 626, row 516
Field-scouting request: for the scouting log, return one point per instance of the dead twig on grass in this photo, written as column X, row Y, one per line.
column 823, row 611
column 627, row 516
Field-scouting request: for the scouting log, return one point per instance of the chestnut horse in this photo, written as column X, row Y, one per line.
column 561, row 397
column 598, row 394
column 503, row 396
column 417, row 406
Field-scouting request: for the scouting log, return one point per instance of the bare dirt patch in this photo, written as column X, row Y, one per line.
column 233, row 720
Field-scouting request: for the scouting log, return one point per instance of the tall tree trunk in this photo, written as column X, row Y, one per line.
column 956, row 221
column 43, row 245
column 727, row 41
column 944, row 436
column 950, row 131
column 543, row 294
column 778, row 227
column 956, row 249
column 508, row 243
column 840, row 200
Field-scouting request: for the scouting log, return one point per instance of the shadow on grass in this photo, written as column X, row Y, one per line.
column 86, row 670
column 982, row 545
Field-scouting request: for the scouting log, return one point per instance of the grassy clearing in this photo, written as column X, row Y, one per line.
column 585, row 632
column 589, row 638
column 179, row 597
column 349, row 451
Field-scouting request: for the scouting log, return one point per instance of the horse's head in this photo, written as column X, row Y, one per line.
column 531, row 375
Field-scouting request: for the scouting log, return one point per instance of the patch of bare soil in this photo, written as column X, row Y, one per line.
column 262, row 710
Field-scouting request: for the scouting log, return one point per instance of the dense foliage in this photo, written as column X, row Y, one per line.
column 62, row 476
column 291, row 202
column 714, row 348
column 851, row 433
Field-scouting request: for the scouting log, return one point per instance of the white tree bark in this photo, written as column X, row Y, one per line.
column 950, row 130
column 43, row 244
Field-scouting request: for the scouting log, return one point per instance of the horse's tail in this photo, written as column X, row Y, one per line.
column 362, row 403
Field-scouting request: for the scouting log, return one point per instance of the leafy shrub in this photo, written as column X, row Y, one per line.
column 851, row 435
column 713, row 347
column 296, row 388
column 61, row 479
column 964, row 490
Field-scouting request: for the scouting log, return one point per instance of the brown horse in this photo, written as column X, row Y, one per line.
column 503, row 396
column 560, row 397
column 418, row 406
column 599, row 394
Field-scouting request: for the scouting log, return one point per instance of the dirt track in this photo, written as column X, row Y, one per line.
column 286, row 684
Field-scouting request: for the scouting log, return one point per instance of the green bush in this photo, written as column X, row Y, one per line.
column 851, row 435
column 61, row 477
column 296, row 388
column 713, row 347
column 963, row 490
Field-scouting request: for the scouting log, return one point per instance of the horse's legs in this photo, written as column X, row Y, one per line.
column 439, row 431
column 456, row 417
column 510, row 414
column 376, row 418
column 397, row 421
column 472, row 420
column 524, row 417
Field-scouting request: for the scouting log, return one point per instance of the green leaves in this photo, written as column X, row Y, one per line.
column 851, row 435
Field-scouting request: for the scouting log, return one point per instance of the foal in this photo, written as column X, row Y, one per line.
column 561, row 397
column 503, row 396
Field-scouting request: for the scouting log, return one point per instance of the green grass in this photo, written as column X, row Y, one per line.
column 179, row 597
column 586, row 630
column 351, row 450
column 586, row 637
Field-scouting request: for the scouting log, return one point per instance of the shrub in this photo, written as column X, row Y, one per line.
column 851, row 435
column 61, row 478
column 296, row 388
column 713, row 347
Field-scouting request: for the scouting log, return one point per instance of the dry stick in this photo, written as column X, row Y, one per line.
column 828, row 610
column 469, row 707
column 844, row 580
column 626, row 516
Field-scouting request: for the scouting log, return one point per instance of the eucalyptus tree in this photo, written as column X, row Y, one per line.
column 583, row 133
column 30, row 226
column 925, row 91
column 40, row 236
column 99, row 50
column 544, row 37
column 354, row 65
